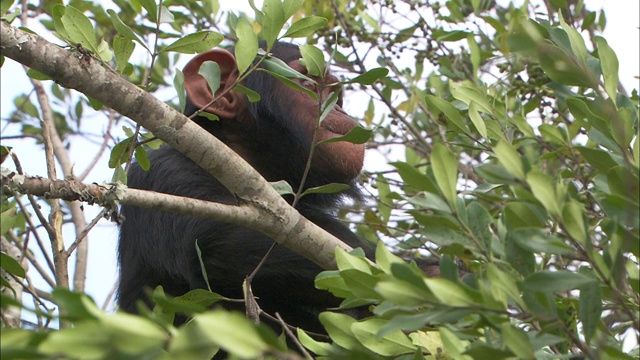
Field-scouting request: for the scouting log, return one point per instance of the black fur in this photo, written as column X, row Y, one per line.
column 158, row 248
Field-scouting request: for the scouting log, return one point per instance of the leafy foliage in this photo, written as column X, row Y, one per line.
column 512, row 147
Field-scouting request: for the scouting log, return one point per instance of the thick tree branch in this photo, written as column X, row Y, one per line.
column 276, row 218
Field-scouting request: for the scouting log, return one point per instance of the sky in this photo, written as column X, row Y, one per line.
column 622, row 34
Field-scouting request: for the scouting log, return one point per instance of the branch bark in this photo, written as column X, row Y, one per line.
column 274, row 217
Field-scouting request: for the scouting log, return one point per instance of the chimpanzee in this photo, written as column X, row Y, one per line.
column 274, row 135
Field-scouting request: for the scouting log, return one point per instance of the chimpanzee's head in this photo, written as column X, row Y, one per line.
column 275, row 134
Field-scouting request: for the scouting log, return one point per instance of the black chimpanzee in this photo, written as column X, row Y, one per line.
column 273, row 135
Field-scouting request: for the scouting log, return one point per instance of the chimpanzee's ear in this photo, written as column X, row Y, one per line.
column 198, row 91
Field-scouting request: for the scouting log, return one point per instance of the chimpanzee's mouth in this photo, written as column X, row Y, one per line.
column 338, row 126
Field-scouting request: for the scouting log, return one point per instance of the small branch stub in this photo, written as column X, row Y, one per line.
column 68, row 189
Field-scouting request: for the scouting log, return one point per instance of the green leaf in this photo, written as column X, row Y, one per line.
column 391, row 344
column 305, row 27
column 79, row 29
column 346, row 261
column 291, row 84
column 438, row 105
column 132, row 334
column 369, row 77
column 192, row 302
column 583, row 109
column 517, row 341
column 282, row 187
column 636, row 152
column 445, row 170
column 556, row 281
column 510, row 159
column 552, row 134
column 9, row 17
column 448, row 292
column 589, row 19
column 198, row 42
column 277, row 66
column 338, row 327
column 152, row 9
column 477, row 120
column 326, row 189
column 476, row 54
column 333, row 282
column 578, row 46
column 190, row 343
column 453, row 345
column 442, row 35
column 120, row 152
column 317, row 347
column 564, row 68
column 233, row 332
column 328, row 105
column 505, row 283
column 178, row 84
column 521, row 259
column 402, row 293
column 37, row 75
column 291, row 7
column 104, row 52
column 124, row 30
column 76, row 306
column 429, row 201
column 479, row 222
column 251, row 95
column 119, row 175
column 539, row 241
column 622, row 124
column 524, row 214
column 141, row 157
column 273, row 20
column 123, row 48
column 166, row 16
column 4, row 153
column 609, row 66
column 385, row 202
column 258, row 12
column 84, row 340
column 384, row 258
column 247, row 46
column 574, row 221
column 543, row 190
column 313, row 60
column 203, row 268
column 5, row 6
column 58, row 12
column 620, row 209
column 468, row 93
column 210, row 71
column 10, row 264
column 411, row 176
column 95, row 104
column 590, row 310
column 357, row 135
column 361, row 284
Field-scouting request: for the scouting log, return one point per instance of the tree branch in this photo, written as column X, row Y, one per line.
column 109, row 196
column 276, row 218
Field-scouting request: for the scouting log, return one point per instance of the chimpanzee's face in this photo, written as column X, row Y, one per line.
column 343, row 160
